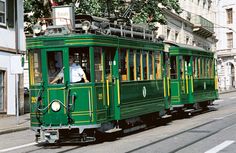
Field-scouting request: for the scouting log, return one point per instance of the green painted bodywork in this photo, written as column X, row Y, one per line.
column 92, row 106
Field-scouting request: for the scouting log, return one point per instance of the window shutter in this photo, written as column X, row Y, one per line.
column 10, row 13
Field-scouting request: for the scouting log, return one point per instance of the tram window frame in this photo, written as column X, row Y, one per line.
column 203, row 68
column 173, row 67
column 82, row 57
column 132, row 65
column 138, row 65
column 55, row 56
column 124, row 64
column 195, row 67
column 199, row 67
column 145, row 71
column 108, row 61
column 158, row 63
column 211, row 68
column 33, row 55
column 98, row 65
column 207, row 68
column 182, row 67
column 151, row 65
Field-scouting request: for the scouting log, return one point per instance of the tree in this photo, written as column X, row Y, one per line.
column 139, row 11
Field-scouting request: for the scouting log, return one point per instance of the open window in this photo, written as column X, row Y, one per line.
column 173, row 67
column 158, row 65
column 98, row 64
column 123, row 64
column 35, row 67
column 55, row 67
column 79, row 62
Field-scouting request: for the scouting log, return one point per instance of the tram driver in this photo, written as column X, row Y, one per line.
column 77, row 74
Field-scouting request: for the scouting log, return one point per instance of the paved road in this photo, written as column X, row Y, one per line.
column 210, row 132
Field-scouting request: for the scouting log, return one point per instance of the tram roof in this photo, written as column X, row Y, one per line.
column 177, row 48
column 91, row 40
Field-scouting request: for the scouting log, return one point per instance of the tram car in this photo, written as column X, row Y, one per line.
column 127, row 82
column 193, row 78
column 128, row 79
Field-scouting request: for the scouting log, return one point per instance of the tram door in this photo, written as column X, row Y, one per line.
column 111, row 76
column 54, row 66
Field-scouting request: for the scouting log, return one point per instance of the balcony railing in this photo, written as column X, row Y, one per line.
column 202, row 26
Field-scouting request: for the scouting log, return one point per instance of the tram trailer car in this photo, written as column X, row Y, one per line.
column 128, row 85
column 194, row 82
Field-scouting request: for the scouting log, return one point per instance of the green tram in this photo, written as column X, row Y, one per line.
column 128, row 84
column 193, row 78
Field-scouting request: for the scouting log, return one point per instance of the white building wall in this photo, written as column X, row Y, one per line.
column 183, row 23
column 11, row 94
column 8, row 49
column 226, row 56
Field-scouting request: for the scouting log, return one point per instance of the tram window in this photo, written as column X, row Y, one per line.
column 210, row 68
column 195, row 71
column 98, row 64
column 199, row 67
column 123, row 64
column 206, row 67
column 55, row 67
column 151, row 65
column 131, row 64
column 81, row 58
column 158, row 65
column 203, row 67
column 145, row 65
column 138, row 65
column 35, row 67
column 109, row 58
column 167, row 63
column 173, row 67
column 182, row 67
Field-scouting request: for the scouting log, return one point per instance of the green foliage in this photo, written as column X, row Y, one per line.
column 142, row 11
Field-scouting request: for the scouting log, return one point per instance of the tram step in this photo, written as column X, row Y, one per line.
column 192, row 110
column 188, row 110
column 113, row 130
column 135, row 128
column 166, row 116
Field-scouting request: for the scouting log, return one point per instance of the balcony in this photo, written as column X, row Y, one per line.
column 202, row 26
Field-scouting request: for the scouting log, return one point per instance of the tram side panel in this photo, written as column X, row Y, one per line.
column 140, row 98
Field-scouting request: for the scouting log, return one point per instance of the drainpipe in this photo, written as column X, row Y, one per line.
column 17, row 51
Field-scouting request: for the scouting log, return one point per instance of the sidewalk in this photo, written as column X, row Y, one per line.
column 8, row 124
column 227, row 91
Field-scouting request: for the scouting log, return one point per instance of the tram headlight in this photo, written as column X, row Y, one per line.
column 55, row 106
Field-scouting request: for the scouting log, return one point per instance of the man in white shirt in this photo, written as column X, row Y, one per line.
column 77, row 74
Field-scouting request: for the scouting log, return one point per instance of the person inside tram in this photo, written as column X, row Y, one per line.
column 52, row 70
column 77, row 74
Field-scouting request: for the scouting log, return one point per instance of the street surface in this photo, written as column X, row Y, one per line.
column 209, row 132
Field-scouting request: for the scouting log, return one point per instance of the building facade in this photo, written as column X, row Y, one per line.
column 194, row 26
column 226, row 46
column 12, row 44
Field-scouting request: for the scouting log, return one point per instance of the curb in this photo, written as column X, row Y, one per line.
column 224, row 92
column 10, row 130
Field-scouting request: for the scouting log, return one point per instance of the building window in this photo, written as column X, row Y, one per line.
column 187, row 40
column 2, row 12
column 229, row 39
column 229, row 13
column 176, row 36
column 1, row 91
column 168, row 34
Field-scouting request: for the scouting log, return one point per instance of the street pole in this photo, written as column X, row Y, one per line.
column 17, row 99
column 17, row 51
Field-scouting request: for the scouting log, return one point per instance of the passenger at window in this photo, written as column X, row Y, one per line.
column 52, row 71
column 77, row 74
